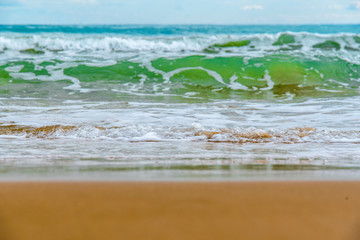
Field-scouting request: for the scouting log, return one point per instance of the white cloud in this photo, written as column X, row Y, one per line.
column 336, row 6
column 252, row 7
column 354, row 6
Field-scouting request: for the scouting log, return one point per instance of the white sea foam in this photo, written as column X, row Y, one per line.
column 182, row 133
column 120, row 43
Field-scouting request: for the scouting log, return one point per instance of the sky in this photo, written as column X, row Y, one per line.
column 179, row 12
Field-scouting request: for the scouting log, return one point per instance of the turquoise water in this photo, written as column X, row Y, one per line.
column 179, row 102
column 179, row 29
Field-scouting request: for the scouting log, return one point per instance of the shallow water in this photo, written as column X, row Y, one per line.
column 179, row 102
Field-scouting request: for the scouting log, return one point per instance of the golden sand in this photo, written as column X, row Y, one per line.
column 180, row 210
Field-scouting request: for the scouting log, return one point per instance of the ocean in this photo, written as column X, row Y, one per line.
column 180, row 102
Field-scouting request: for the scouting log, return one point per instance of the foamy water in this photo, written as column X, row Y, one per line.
column 194, row 103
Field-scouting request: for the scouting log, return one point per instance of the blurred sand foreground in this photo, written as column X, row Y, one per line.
column 179, row 210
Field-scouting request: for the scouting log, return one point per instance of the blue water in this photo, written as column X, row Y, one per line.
column 179, row 29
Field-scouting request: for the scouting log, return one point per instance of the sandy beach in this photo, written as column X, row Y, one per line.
column 179, row 210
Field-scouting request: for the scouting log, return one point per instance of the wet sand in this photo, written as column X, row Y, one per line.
column 180, row 210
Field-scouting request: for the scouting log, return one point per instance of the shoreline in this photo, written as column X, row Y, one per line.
column 180, row 210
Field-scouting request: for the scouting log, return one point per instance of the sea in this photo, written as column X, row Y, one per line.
column 179, row 102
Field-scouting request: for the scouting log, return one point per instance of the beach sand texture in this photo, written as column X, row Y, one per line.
column 179, row 210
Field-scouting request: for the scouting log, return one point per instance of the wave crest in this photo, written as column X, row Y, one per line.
column 250, row 44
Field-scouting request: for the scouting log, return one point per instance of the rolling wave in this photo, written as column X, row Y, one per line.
column 191, row 66
column 198, row 75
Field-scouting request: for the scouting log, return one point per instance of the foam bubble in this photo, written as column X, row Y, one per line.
column 194, row 133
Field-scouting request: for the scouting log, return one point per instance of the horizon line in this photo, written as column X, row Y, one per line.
column 173, row 24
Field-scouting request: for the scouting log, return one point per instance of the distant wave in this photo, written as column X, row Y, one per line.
column 178, row 29
column 215, row 44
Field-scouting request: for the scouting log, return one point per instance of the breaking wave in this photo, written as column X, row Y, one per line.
column 225, row 44
column 193, row 133
column 294, row 64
